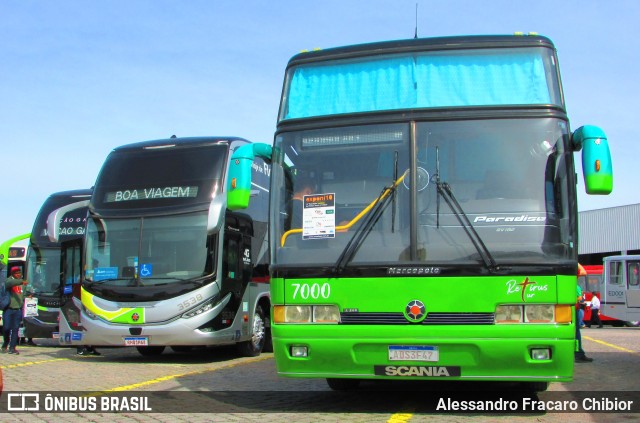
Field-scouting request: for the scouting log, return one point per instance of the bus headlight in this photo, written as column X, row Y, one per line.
column 306, row 314
column 91, row 315
column 509, row 314
column 326, row 314
column 292, row 314
column 543, row 313
column 203, row 308
column 533, row 313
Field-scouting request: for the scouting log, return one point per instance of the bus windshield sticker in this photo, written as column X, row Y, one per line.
column 146, row 270
column 319, row 216
column 102, row 273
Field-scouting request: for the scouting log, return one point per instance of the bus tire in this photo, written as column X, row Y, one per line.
column 181, row 348
column 535, row 386
column 150, row 351
column 254, row 346
column 268, row 341
column 343, row 384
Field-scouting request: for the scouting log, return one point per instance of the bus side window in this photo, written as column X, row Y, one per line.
column 633, row 270
column 615, row 272
column 593, row 283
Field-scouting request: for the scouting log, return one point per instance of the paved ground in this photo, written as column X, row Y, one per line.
column 241, row 389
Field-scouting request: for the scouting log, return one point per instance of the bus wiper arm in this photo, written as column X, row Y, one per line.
column 444, row 189
column 107, row 280
column 383, row 201
column 358, row 238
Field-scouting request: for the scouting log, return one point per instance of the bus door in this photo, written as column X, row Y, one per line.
column 633, row 283
column 236, row 259
column 236, row 263
column 70, row 284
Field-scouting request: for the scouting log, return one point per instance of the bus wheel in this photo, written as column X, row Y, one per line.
column 343, row 384
column 253, row 347
column 268, row 340
column 535, row 386
column 150, row 351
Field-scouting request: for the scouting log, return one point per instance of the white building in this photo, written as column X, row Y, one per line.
column 607, row 232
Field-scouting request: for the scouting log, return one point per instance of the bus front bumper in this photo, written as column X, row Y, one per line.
column 458, row 358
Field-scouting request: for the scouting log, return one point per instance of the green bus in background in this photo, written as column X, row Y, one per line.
column 423, row 212
column 13, row 253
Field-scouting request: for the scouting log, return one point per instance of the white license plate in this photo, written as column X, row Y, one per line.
column 136, row 341
column 413, row 353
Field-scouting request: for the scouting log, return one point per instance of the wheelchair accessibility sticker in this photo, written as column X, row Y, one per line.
column 146, row 270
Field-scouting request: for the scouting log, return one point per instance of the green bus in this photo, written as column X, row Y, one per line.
column 12, row 252
column 423, row 212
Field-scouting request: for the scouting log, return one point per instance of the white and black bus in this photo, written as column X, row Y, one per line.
column 165, row 263
column 44, row 260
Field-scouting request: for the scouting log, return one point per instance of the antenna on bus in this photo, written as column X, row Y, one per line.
column 416, row 33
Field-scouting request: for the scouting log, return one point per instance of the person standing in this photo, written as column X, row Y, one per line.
column 595, row 311
column 579, row 354
column 12, row 316
column 86, row 350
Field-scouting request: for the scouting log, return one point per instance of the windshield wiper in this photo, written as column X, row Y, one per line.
column 108, row 280
column 444, row 190
column 383, row 201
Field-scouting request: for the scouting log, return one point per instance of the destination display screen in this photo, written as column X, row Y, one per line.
column 178, row 176
column 152, row 193
column 15, row 252
column 72, row 224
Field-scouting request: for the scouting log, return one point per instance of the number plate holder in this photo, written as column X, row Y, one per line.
column 413, row 353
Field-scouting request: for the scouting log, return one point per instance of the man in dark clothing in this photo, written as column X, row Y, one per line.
column 12, row 316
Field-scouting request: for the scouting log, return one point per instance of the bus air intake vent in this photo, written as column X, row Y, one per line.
column 432, row 319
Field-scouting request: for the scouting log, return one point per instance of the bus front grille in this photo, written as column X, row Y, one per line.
column 351, row 318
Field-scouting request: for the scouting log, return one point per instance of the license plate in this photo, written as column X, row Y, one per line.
column 413, row 353
column 136, row 341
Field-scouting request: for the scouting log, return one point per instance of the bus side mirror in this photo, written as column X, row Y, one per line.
column 239, row 179
column 216, row 215
column 596, row 159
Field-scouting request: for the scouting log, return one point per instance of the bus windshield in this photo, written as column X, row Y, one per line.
column 43, row 267
column 147, row 252
column 510, row 178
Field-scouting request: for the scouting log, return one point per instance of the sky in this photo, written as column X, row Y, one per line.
column 79, row 78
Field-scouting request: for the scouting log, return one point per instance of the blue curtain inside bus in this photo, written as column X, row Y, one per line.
column 449, row 79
